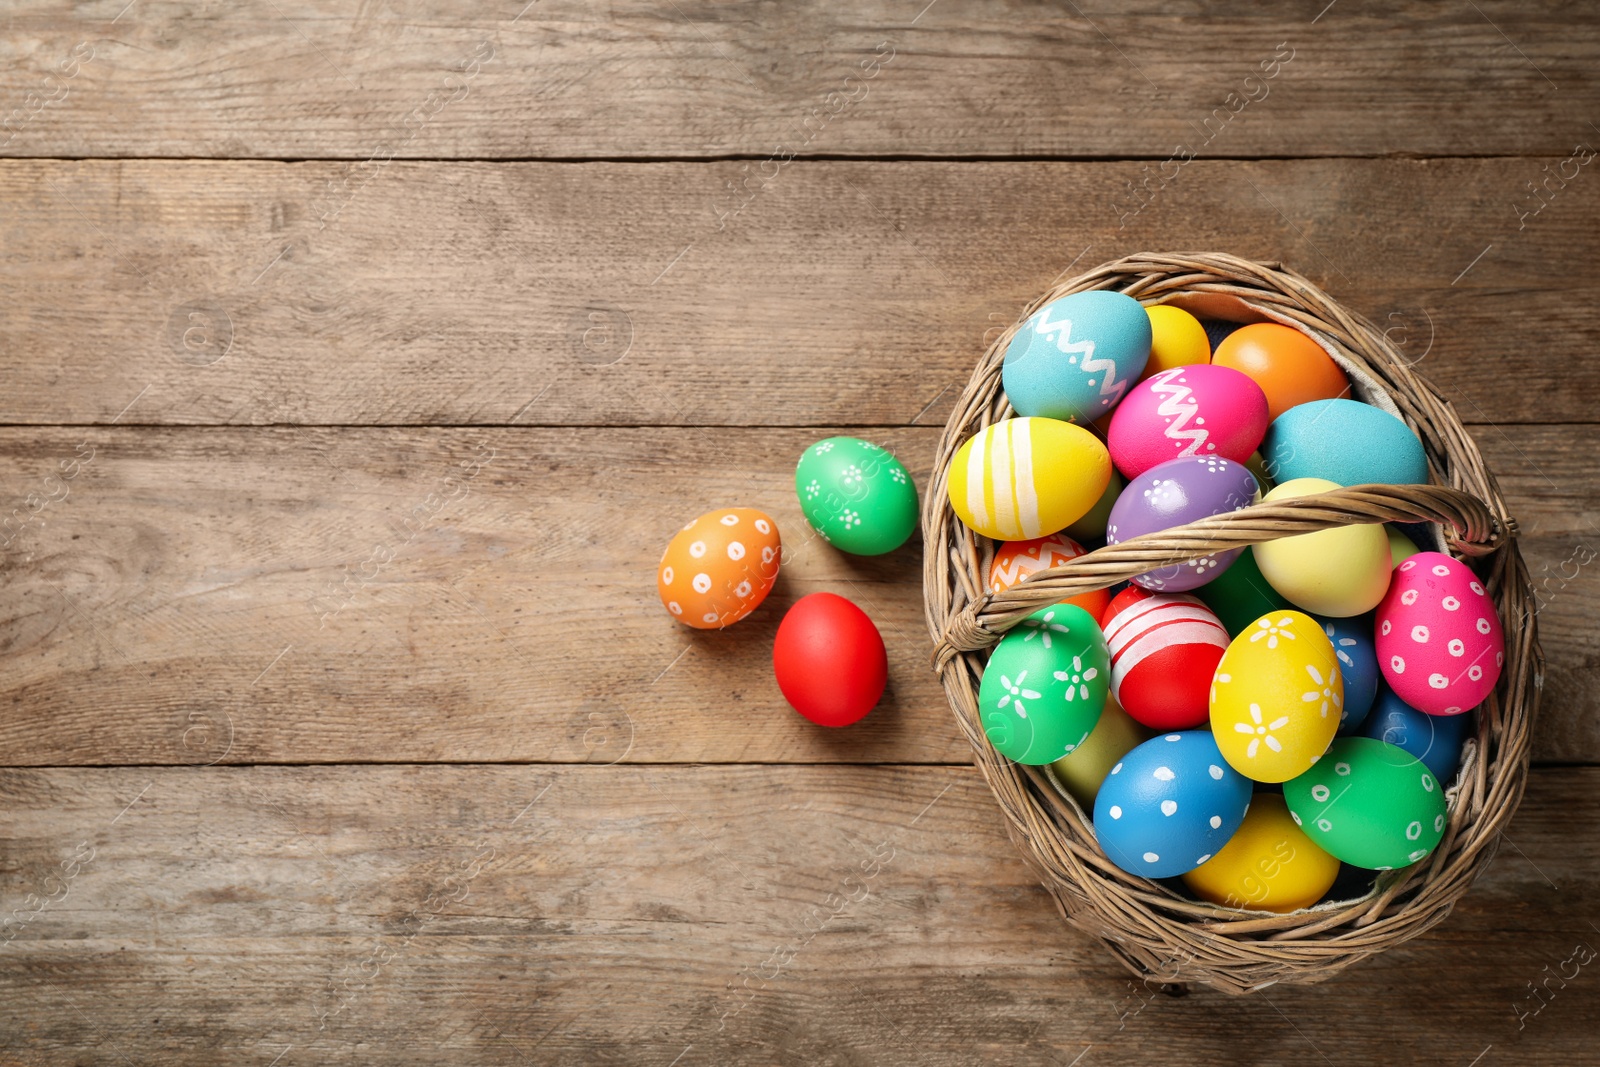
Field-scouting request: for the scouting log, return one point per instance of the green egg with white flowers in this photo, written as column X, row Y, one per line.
column 857, row 495
column 1045, row 685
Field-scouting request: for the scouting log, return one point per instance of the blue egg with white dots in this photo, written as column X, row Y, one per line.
column 1076, row 357
column 1170, row 805
column 1358, row 666
column 1436, row 740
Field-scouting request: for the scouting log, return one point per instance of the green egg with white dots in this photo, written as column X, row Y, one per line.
column 1370, row 804
column 856, row 495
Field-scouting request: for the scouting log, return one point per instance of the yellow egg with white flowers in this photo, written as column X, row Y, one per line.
column 1027, row 477
column 1276, row 697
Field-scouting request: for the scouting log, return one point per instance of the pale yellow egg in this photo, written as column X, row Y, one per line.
column 1340, row 572
column 1083, row 769
column 1401, row 547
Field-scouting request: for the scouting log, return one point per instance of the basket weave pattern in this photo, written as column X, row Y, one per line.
column 1154, row 931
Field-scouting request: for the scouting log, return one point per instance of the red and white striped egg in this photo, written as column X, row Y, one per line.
column 1164, row 649
column 1439, row 642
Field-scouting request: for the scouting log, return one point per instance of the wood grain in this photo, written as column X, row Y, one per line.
column 422, row 79
column 632, row 915
column 306, row 595
column 604, row 294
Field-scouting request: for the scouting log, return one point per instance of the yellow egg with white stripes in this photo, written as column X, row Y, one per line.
column 1027, row 477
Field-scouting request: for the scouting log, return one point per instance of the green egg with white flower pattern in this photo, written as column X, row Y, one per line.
column 856, row 495
column 1370, row 804
column 1045, row 685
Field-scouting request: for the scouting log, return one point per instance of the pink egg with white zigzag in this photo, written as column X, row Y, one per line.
column 1439, row 642
column 1198, row 410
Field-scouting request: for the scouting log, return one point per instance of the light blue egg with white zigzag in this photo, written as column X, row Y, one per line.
column 1075, row 358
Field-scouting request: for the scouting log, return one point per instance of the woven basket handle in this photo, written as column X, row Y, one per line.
column 1470, row 528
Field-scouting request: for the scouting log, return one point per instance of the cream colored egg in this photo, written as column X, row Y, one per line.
column 1083, row 769
column 1401, row 547
column 1339, row 572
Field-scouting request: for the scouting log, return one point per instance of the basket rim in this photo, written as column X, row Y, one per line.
column 1150, row 927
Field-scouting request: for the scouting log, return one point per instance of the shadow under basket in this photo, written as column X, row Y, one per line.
column 1156, row 932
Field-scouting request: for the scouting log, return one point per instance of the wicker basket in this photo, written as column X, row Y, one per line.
column 1153, row 930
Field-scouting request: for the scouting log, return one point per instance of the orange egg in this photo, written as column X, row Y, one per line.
column 1015, row 560
column 1290, row 367
column 719, row 568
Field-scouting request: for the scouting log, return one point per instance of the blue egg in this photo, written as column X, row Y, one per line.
column 1344, row 441
column 1076, row 357
column 1358, row 666
column 1169, row 805
column 1436, row 740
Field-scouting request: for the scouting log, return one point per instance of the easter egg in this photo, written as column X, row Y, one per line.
column 1083, row 769
column 1358, row 667
column 1240, row 595
column 1258, row 467
column 1023, row 478
column 1290, row 367
column 856, row 495
column 719, row 568
column 1344, row 441
column 1276, row 697
column 1164, row 649
column 1401, row 547
column 1045, row 685
column 1439, row 641
column 1169, row 805
column 1171, row 494
column 1075, row 357
column 1015, row 560
column 1370, row 804
column 830, row 660
column 1187, row 411
column 1268, row 865
column 1092, row 527
column 1339, row 572
column 1176, row 340
column 1436, row 740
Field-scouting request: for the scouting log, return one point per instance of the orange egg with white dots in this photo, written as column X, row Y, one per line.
column 719, row 568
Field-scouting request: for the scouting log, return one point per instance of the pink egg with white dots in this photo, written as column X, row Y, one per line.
column 1439, row 642
column 1196, row 410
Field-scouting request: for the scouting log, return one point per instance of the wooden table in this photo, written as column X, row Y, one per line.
column 359, row 359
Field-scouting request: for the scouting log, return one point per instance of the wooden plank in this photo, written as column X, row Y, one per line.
column 633, row 915
column 307, row 595
column 603, row 294
column 309, row 78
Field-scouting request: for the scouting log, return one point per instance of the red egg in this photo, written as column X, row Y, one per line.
column 1165, row 647
column 830, row 660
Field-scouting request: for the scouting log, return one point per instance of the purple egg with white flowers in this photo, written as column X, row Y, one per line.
column 1176, row 492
